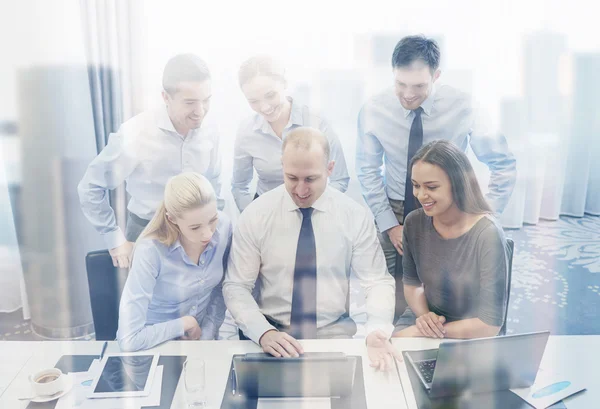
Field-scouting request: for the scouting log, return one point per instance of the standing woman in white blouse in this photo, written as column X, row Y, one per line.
column 259, row 138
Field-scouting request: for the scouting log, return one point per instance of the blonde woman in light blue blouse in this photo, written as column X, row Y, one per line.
column 173, row 290
column 260, row 137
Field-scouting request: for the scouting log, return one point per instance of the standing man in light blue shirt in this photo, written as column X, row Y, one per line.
column 395, row 123
column 174, row 289
column 260, row 137
column 150, row 148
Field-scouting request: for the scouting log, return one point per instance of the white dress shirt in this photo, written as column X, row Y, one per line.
column 258, row 147
column 145, row 152
column 265, row 242
column 382, row 146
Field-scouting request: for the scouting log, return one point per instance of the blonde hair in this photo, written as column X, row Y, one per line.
column 186, row 191
column 260, row 65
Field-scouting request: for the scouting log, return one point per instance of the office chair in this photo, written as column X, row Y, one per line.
column 510, row 249
column 105, row 293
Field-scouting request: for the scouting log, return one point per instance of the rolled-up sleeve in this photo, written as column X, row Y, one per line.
column 107, row 171
column 369, row 170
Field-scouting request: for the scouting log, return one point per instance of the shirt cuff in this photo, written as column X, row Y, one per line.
column 371, row 326
column 386, row 220
column 256, row 331
column 114, row 238
column 175, row 329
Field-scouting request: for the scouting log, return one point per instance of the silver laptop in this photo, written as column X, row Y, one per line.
column 314, row 374
column 480, row 365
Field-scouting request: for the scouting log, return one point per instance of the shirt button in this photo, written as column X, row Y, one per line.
column 201, row 261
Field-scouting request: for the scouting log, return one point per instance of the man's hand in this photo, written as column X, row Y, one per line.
column 121, row 256
column 381, row 352
column 431, row 325
column 192, row 328
column 280, row 344
column 395, row 235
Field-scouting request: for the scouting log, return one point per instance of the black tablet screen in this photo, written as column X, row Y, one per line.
column 125, row 374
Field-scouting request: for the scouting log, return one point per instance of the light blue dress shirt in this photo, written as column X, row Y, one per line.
column 145, row 152
column 258, row 147
column 164, row 285
column 383, row 133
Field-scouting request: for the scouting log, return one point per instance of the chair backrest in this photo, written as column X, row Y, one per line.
column 510, row 249
column 105, row 293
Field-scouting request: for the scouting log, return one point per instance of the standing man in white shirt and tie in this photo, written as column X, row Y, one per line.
column 149, row 149
column 303, row 239
column 394, row 124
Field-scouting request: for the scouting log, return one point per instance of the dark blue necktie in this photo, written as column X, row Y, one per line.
column 303, row 321
column 415, row 141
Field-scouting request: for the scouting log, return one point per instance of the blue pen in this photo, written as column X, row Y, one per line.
column 103, row 350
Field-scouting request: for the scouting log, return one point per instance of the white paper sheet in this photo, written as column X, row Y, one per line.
column 293, row 403
column 82, row 385
column 548, row 389
column 12, row 363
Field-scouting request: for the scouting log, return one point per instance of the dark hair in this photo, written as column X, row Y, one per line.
column 184, row 67
column 413, row 48
column 465, row 187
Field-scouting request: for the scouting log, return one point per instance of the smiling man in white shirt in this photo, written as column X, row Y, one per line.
column 303, row 240
column 149, row 149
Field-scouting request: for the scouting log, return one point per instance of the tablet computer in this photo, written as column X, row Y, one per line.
column 124, row 375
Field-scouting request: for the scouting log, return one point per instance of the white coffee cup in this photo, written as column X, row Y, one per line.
column 47, row 382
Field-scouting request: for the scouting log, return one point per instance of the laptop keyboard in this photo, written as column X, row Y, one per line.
column 426, row 369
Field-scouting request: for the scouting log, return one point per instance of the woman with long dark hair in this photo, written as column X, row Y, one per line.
column 455, row 260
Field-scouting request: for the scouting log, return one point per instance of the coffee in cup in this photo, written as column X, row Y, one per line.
column 47, row 382
column 47, row 378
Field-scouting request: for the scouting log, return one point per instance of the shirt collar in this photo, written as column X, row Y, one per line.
column 427, row 105
column 163, row 120
column 296, row 118
column 320, row 204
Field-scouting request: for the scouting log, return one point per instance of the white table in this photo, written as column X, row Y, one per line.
column 13, row 357
column 576, row 357
column 383, row 390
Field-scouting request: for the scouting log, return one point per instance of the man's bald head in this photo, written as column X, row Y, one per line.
column 306, row 165
column 307, row 138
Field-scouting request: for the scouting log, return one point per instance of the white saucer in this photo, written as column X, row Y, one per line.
column 68, row 386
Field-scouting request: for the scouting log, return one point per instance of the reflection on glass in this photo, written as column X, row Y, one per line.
column 125, row 374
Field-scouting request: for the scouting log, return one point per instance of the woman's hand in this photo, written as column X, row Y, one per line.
column 191, row 328
column 431, row 325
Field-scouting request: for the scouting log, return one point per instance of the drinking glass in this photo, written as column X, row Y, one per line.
column 195, row 382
